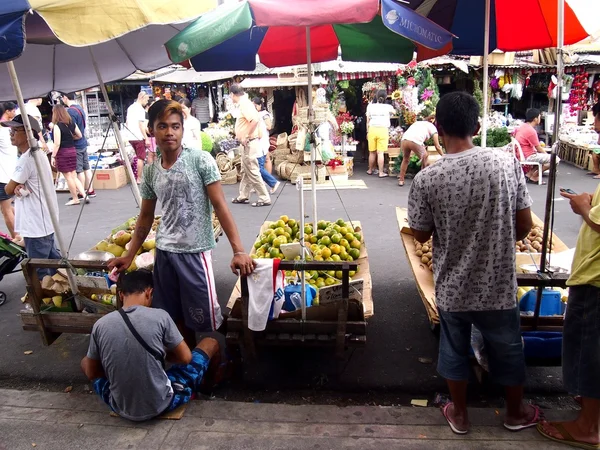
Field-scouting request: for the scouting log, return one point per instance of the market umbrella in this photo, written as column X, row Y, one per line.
column 281, row 34
column 47, row 40
column 305, row 31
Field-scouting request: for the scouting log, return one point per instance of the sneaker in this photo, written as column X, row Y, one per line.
column 274, row 188
column 92, row 194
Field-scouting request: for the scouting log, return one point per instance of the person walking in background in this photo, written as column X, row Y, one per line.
column 413, row 141
column 8, row 161
column 201, row 109
column 581, row 333
column 266, row 123
column 138, row 131
column 191, row 126
column 32, row 211
column 83, row 170
column 151, row 157
column 249, row 132
column 64, row 154
column 476, row 205
column 379, row 115
column 528, row 139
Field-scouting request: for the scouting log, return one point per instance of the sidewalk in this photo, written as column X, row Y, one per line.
column 57, row 421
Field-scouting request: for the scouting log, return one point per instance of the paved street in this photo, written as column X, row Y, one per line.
column 387, row 370
column 58, row 421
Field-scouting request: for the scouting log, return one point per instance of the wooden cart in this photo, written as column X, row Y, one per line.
column 52, row 324
column 425, row 285
column 345, row 316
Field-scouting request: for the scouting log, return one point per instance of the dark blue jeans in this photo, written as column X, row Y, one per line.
column 266, row 176
column 501, row 332
column 581, row 342
column 42, row 248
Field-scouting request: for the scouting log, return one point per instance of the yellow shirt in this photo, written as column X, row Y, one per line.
column 248, row 114
column 586, row 262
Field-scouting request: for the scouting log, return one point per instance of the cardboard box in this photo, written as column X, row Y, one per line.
column 110, row 178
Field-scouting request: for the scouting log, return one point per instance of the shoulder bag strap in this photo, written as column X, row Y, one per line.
column 142, row 342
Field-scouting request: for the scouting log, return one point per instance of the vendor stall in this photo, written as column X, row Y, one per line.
column 52, row 309
column 334, row 247
column 420, row 261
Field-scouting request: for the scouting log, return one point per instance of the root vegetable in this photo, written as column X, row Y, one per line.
column 419, row 253
column 424, row 259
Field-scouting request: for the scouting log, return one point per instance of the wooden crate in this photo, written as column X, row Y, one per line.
column 338, row 324
column 574, row 154
column 52, row 324
column 424, row 276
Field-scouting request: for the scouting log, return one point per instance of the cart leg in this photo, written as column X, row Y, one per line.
column 248, row 337
column 343, row 313
column 34, row 289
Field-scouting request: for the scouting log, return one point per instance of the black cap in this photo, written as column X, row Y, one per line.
column 18, row 122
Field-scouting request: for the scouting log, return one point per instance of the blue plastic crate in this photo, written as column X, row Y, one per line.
column 551, row 303
column 542, row 344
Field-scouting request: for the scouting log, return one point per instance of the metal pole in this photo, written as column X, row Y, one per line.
column 549, row 209
column 300, row 187
column 311, row 116
column 41, row 162
column 115, row 124
column 486, row 74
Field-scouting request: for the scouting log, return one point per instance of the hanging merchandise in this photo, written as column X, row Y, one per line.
column 578, row 94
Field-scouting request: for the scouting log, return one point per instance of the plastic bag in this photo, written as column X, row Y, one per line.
column 327, row 151
column 293, row 296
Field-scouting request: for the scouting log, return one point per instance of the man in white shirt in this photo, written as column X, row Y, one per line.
column 8, row 160
column 32, row 109
column 138, row 132
column 201, row 109
column 32, row 213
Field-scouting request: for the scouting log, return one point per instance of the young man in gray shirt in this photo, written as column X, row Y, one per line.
column 475, row 203
column 127, row 371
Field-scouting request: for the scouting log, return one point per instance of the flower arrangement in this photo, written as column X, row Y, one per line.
column 395, row 137
column 335, row 162
column 347, row 127
column 217, row 134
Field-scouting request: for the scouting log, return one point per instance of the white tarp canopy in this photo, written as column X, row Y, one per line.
column 258, row 82
column 191, row 76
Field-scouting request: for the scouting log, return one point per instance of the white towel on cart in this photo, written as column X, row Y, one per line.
column 265, row 293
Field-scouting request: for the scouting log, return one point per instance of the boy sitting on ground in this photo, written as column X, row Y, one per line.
column 127, row 353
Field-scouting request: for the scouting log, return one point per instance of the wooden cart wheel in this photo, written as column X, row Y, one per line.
column 2, row 298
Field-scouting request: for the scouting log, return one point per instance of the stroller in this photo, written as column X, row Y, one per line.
column 11, row 256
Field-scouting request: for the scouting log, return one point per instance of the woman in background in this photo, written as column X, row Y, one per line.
column 379, row 115
column 64, row 155
column 191, row 126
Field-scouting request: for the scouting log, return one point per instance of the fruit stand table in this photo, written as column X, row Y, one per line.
column 424, row 277
column 322, row 325
column 51, row 320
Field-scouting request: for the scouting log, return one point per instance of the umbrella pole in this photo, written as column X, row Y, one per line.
column 549, row 210
column 115, row 125
column 311, row 115
column 486, row 73
column 48, row 189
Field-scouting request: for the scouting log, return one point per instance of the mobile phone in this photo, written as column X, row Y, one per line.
column 568, row 191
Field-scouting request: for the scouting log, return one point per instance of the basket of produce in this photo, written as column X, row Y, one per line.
column 296, row 157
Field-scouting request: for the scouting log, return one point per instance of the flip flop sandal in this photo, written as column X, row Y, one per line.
column 400, row 182
column 258, row 204
column 452, row 426
column 537, row 416
column 597, row 177
column 241, row 201
column 530, row 181
column 384, row 175
column 72, row 203
column 568, row 439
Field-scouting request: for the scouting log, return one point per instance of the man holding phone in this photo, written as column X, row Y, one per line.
column 581, row 335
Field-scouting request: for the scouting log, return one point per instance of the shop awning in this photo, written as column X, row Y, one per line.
column 258, row 82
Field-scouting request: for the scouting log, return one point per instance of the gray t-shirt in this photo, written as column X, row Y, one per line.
column 470, row 201
column 186, row 224
column 139, row 386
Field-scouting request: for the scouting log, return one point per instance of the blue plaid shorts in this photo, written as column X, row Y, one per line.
column 185, row 380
